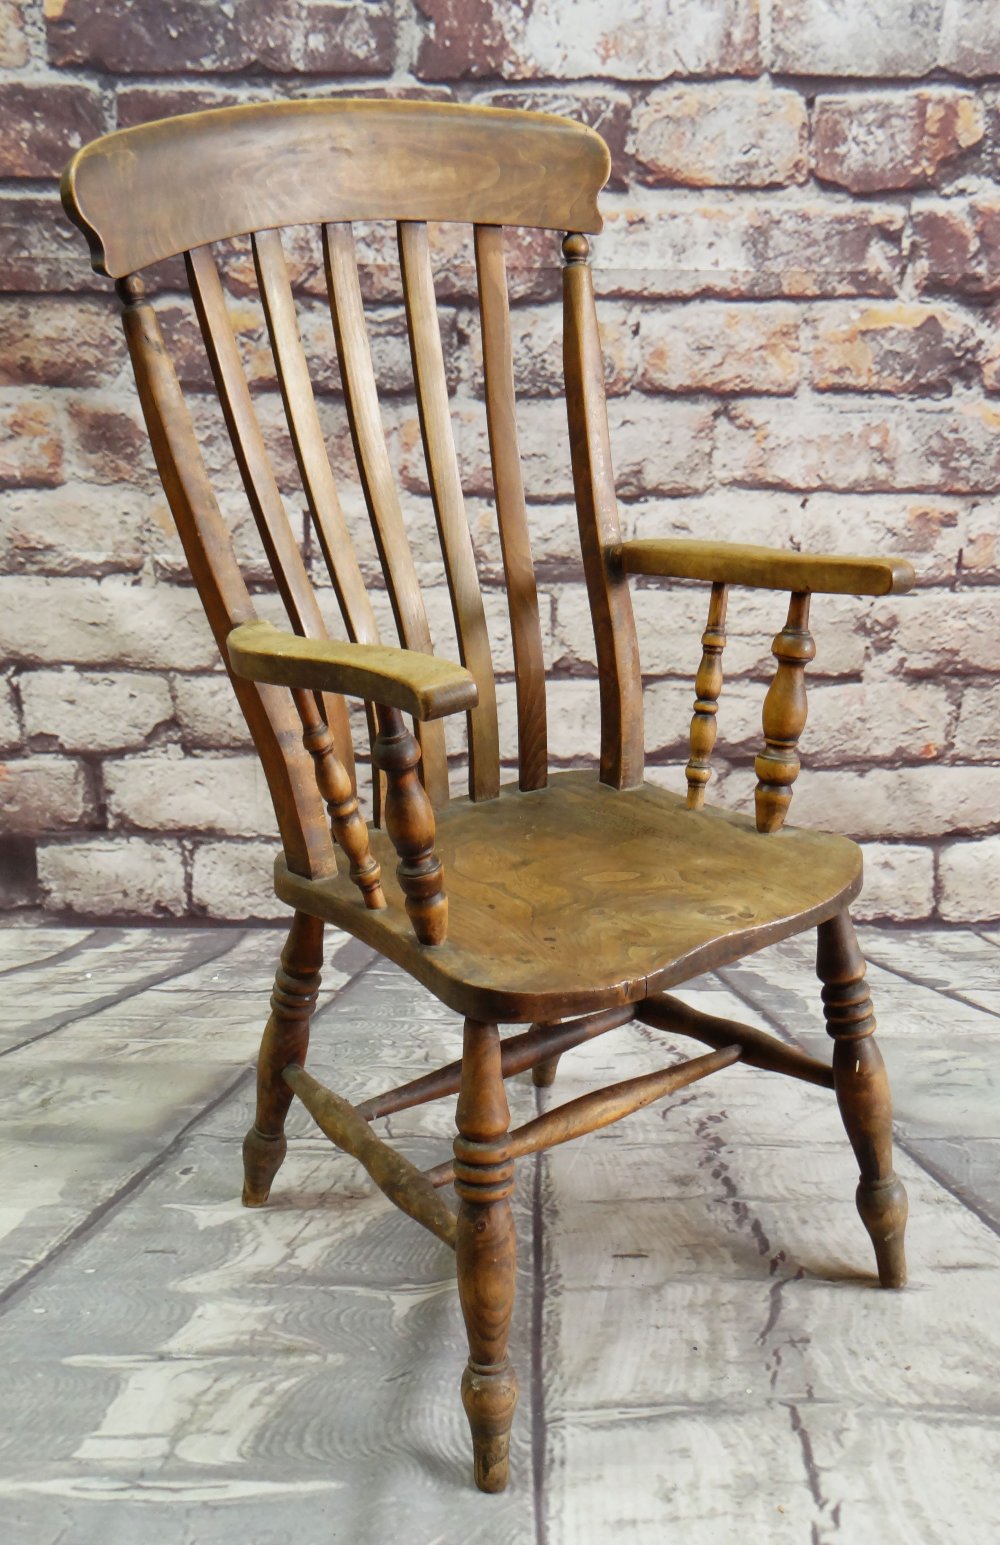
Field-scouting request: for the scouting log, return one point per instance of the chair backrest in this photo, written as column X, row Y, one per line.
column 179, row 186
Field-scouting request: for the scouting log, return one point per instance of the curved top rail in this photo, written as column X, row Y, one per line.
column 148, row 193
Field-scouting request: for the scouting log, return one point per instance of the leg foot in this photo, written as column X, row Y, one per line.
column 863, row 1094
column 486, row 1250
column 286, row 1037
column 543, row 1074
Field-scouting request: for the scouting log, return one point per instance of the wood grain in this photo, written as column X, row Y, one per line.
column 732, row 563
column 578, row 897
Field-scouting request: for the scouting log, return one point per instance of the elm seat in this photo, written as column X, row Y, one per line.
column 578, row 897
column 576, row 894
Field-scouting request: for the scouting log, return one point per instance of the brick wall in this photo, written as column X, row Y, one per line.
column 800, row 280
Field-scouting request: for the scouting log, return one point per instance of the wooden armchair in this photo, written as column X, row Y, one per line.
column 568, row 902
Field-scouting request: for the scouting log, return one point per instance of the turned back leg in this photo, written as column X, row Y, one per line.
column 486, row 1250
column 286, row 1039
column 863, row 1094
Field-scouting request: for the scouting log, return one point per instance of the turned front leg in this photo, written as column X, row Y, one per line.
column 486, row 1250
column 863, row 1093
column 285, row 1040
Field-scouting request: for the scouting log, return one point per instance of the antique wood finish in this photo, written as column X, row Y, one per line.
column 394, row 1175
column 766, row 568
column 151, row 192
column 512, row 516
column 535, row 930
column 286, row 1040
column 784, row 717
column 574, row 900
column 449, row 506
column 707, row 686
column 862, row 1088
column 600, row 535
column 377, row 477
column 346, row 821
column 409, row 819
column 486, row 1249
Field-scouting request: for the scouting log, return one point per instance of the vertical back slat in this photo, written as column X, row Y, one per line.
column 512, row 517
column 308, row 440
column 269, row 712
column 600, row 533
column 449, row 504
column 258, row 477
column 377, row 480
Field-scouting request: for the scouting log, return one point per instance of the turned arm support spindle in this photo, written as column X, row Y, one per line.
column 409, row 820
column 347, row 824
column 707, row 686
column 784, row 716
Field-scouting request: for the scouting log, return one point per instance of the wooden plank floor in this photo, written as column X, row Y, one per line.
column 703, row 1355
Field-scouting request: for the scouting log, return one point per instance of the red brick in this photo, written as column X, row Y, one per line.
column 609, row 112
column 59, row 342
column 31, row 453
column 897, row 347
column 161, row 36
column 110, row 444
column 13, row 38
column 143, row 104
column 718, row 348
column 956, row 246
column 854, row 37
column 473, row 38
column 902, row 446
column 40, row 249
column 896, row 139
column 746, row 248
column 731, row 135
column 991, row 350
column 42, row 123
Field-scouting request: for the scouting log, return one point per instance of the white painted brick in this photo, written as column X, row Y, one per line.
column 113, row 877
column 166, row 791
column 103, row 622
column 10, row 728
column 86, row 711
column 43, row 793
column 899, row 884
column 208, row 712
column 234, row 881
column 969, row 876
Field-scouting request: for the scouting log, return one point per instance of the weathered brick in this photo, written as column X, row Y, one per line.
column 717, row 348
column 976, row 738
column 537, row 345
column 892, row 139
column 899, row 883
column 43, row 793
column 573, row 709
column 40, row 250
column 108, row 441
column 956, row 246
column 473, row 38
column 941, row 634
column 83, row 711
column 609, row 112
column 879, row 720
column 234, row 880
column 10, row 724
column 13, row 37
column 906, row 802
column 113, row 877
column 166, row 791
column 990, row 353
column 748, row 248
column 143, row 104
column 970, row 38
column 979, row 557
column 43, row 122
column 854, row 37
column 969, row 881
column 896, row 347
column 31, row 448
column 208, row 713
column 59, row 342
column 721, row 136
column 826, row 446
column 109, row 622
column 308, row 36
column 73, row 529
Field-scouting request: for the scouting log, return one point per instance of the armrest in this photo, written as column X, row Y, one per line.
column 419, row 684
column 768, row 568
